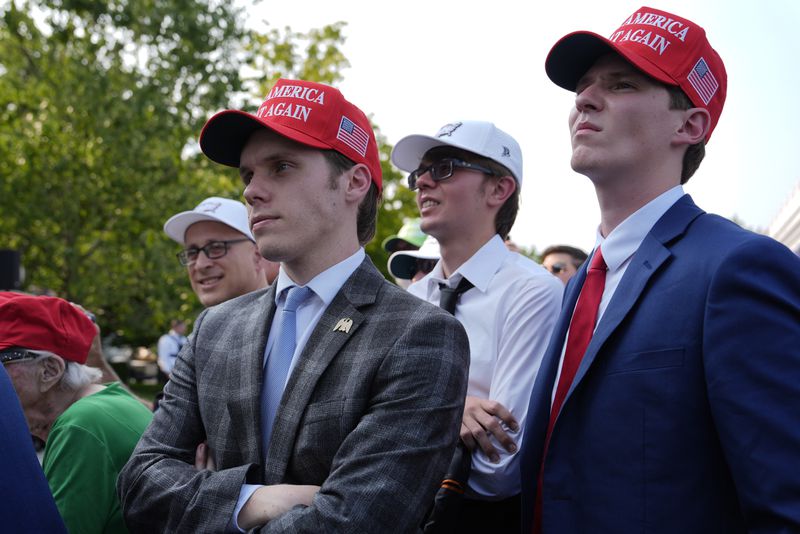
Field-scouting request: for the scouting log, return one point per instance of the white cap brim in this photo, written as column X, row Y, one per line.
column 478, row 137
column 176, row 226
column 408, row 152
column 402, row 262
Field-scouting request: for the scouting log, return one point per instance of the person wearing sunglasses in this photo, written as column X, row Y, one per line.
column 89, row 429
column 409, row 238
column 412, row 265
column 563, row 261
column 220, row 254
column 468, row 178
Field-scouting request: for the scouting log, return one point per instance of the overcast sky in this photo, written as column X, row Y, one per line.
column 416, row 65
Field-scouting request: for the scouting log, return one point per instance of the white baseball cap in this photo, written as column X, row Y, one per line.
column 479, row 137
column 224, row 210
column 402, row 264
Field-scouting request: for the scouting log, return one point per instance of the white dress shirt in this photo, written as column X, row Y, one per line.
column 509, row 316
column 169, row 345
column 620, row 246
column 325, row 286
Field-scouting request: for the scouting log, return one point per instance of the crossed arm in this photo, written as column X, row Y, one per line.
column 525, row 322
column 382, row 476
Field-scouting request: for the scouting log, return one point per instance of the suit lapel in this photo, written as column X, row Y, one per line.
column 245, row 377
column 540, row 404
column 647, row 260
column 325, row 342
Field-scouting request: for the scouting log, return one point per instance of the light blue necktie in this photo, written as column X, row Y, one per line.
column 280, row 359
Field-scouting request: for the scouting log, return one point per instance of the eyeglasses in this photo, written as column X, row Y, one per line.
column 213, row 251
column 443, row 169
column 557, row 267
column 14, row 355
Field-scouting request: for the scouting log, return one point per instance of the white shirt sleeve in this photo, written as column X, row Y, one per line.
column 244, row 495
column 524, row 323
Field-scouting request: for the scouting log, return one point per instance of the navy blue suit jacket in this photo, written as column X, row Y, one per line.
column 684, row 416
column 26, row 504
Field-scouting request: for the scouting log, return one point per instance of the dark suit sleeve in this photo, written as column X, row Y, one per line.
column 26, row 504
column 159, row 488
column 751, row 348
column 386, row 471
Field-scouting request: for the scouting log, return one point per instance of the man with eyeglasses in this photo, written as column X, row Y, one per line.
column 563, row 261
column 330, row 401
column 468, row 177
column 220, row 253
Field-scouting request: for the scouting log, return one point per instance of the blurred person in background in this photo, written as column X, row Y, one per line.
column 409, row 266
column 563, row 261
column 410, row 237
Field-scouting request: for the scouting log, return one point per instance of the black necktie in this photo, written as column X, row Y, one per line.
column 449, row 295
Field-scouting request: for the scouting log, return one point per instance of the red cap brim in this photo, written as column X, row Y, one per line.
column 224, row 135
column 574, row 54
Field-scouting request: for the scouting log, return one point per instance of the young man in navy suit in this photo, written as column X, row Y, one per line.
column 667, row 399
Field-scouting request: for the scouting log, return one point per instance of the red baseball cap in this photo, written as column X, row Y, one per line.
column 666, row 47
column 45, row 323
column 313, row 114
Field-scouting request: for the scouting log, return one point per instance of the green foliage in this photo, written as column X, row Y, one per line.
column 100, row 106
column 398, row 203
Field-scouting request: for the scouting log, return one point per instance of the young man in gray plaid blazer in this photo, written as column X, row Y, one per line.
column 369, row 415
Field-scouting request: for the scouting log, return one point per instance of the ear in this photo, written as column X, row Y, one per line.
column 359, row 180
column 256, row 257
column 499, row 190
column 695, row 126
column 50, row 372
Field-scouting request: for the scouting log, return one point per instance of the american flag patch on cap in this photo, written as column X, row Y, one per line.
column 703, row 81
column 353, row 136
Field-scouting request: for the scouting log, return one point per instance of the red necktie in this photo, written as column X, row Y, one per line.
column 581, row 329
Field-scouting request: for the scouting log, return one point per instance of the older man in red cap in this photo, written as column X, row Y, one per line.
column 89, row 429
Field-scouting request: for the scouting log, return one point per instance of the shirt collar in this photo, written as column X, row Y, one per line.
column 478, row 269
column 327, row 283
column 625, row 239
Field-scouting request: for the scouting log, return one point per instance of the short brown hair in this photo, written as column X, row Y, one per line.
column 367, row 220
column 695, row 153
column 507, row 214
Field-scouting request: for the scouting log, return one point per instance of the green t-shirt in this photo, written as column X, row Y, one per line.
column 86, row 449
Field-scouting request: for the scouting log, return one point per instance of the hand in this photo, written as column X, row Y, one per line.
column 203, row 458
column 270, row 502
column 485, row 417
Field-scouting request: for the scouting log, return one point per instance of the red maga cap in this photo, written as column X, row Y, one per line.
column 666, row 47
column 313, row 114
column 45, row 323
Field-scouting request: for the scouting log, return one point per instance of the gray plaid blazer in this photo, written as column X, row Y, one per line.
column 372, row 415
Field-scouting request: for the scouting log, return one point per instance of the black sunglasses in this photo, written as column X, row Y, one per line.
column 213, row 251
column 558, row 267
column 15, row 354
column 444, row 169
